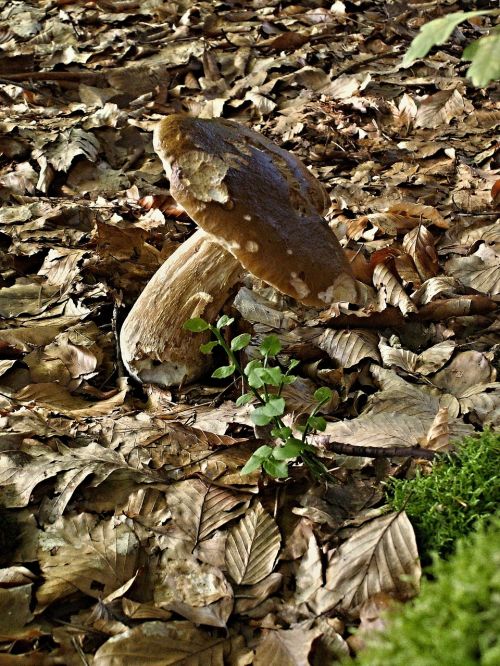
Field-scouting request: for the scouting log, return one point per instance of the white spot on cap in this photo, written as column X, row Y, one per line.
column 251, row 246
column 299, row 285
column 289, row 251
column 328, row 295
column 247, row 217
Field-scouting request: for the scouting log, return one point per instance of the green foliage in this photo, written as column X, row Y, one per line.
column 484, row 53
column 265, row 383
column 455, row 619
column 461, row 490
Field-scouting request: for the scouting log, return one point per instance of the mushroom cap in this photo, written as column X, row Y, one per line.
column 259, row 201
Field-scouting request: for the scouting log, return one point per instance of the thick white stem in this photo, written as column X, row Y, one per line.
column 195, row 281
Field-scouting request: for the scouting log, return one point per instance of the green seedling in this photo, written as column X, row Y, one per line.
column 265, row 378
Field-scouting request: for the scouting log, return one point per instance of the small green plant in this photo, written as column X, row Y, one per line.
column 455, row 620
column 484, row 53
column 265, row 380
column 462, row 490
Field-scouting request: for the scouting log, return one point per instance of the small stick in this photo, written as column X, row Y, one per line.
column 380, row 451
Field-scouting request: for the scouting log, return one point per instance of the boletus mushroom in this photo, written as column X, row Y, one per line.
column 259, row 210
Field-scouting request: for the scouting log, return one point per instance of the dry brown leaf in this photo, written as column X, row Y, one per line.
column 440, row 108
column 419, row 244
column 429, row 361
column 252, row 547
column 309, row 575
column 482, row 274
column 438, row 436
column 82, row 553
column 348, row 348
column 197, row 591
column 390, row 291
column 58, row 399
column 466, row 373
column 199, row 509
column 289, row 647
column 164, row 643
column 381, row 556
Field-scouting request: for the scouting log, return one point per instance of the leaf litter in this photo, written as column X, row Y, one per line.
column 128, row 534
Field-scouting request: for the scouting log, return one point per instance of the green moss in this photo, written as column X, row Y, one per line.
column 461, row 491
column 455, row 621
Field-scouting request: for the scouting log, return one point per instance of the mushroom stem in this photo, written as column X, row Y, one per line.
column 195, row 281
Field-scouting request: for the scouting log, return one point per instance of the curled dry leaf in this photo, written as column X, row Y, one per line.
column 310, row 572
column 161, row 643
column 465, row 374
column 381, row 556
column 428, row 361
column 252, row 547
column 390, row 291
column 419, row 244
column 348, row 348
column 482, row 274
column 288, row 647
column 197, row 591
column 82, row 553
column 440, row 108
column 199, row 509
column 438, row 436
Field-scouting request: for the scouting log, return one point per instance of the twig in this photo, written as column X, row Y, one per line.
column 380, row 451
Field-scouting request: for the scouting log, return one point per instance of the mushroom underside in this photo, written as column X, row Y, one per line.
column 195, row 281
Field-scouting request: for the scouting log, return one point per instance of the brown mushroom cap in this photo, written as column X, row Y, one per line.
column 260, row 202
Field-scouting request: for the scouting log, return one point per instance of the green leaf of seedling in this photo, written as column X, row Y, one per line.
column 323, row 394
column 223, row 372
column 292, row 449
column 317, row 423
column 208, row 347
column 270, row 376
column 485, row 56
column 275, row 406
column 224, row 321
column 278, row 470
column 288, row 379
column 259, row 418
column 240, row 341
column 293, row 363
column 257, row 458
column 270, row 346
column 244, row 399
column 196, row 325
column 436, row 32
column 282, row 433
column 250, row 371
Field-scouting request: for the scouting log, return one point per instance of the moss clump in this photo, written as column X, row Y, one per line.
column 455, row 621
column 461, row 491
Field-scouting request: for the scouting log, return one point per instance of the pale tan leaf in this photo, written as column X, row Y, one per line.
column 27, row 297
column 429, row 361
column 197, row 591
column 385, row 429
column 6, row 365
column 252, row 547
column 407, row 271
column 419, row 243
column 199, row 509
column 390, row 291
column 163, row 644
column 59, row 399
column 467, row 370
column 15, row 608
column 22, row 471
column 438, row 436
column 440, row 109
column 309, row 574
column 445, row 287
column 473, row 271
column 415, row 214
column 485, row 405
column 81, row 553
column 381, row 556
column 289, row 647
column 348, row 348
column 250, row 596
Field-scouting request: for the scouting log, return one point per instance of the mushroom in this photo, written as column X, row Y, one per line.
column 259, row 210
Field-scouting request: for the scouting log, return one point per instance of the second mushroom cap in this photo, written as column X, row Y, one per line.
column 260, row 202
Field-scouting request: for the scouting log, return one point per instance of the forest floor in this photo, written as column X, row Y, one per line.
column 127, row 533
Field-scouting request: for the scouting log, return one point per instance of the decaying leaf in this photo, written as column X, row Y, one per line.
column 381, row 556
column 252, row 547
